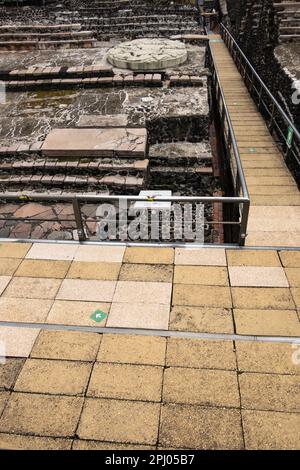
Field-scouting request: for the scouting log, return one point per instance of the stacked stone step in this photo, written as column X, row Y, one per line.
column 41, row 37
column 288, row 13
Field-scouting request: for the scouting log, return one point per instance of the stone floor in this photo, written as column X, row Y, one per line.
column 164, row 385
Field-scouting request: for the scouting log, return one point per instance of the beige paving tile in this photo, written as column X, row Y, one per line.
column 18, row 342
column 97, row 270
column 92, row 291
column 201, row 296
column 143, row 292
column 65, row 312
column 267, row 430
column 194, row 427
column 202, row 275
column 97, row 445
column 296, row 296
column 8, row 266
column 257, row 276
column 270, row 392
column 273, row 218
column 52, row 251
column 9, row 371
column 4, row 281
column 267, row 322
column 199, row 353
column 139, row 315
column 19, row 442
column 293, row 276
column 146, row 272
column 104, row 254
column 290, row 259
column 133, row 349
column 69, row 345
column 126, row 382
column 149, row 255
column 274, row 238
column 24, row 310
column 204, row 320
column 262, row 298
column 201, row 387
column 119, row 421
column 4, row 396
column 276, row 358
column 200, row 256
column 32, row 288
column 42, row 415
column 53, row 377
column 14, row 250
column 43, row 268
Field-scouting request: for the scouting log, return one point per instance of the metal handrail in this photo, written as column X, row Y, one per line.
column 291, row 134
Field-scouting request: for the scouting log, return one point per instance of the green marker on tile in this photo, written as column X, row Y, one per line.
column 252, row 149
column 98, row 316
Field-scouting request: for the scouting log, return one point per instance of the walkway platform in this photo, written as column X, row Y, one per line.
column 275, row 199
column 148, row 348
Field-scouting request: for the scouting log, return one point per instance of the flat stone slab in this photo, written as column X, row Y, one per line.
column 108, row 120
column 148, row 54
column 96, row 142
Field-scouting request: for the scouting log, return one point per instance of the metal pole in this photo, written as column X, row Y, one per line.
column 78, row 219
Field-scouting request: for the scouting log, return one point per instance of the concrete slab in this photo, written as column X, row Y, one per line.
column 107, row 120
column 95, row 142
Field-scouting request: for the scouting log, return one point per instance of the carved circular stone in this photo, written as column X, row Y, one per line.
column 148, row 54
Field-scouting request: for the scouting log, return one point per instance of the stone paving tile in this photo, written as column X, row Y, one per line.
column 201, row 428
column 262, row 298
column 143, row 292
column 4, row 396
column 267, row 430
column 8, row 266
column 269, row 392
column 32, row 288
column 290, row 259
column 201, row 387
column 267, row 322
column 202, row 354
column 43, row 268
column 253, row 276
column 52, row 251
column 42, row 415
column 64, row 312
column 204, row 320
column 146, row 272
column 149, row 255
column 96, row 445
column 202, row 275
column 119, row 421
column 97, row 271
column 4, row 281
column 53, row 377
column 24, row 310
column 68, row 345
column 18, row 342
column 126, row 382
column 133, row 349
column 293, row 276
column 200, row 257
column 296, row 296
column 201, row 296
column 276, row 358
column 104, row 254
column 266, row 258
column 19, row 442
column 139, row 315
column 14, row 250
column 84, row 290
column 9, row 372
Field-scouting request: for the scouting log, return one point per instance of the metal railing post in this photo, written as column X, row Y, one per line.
column 244, row 223
column 78, row 220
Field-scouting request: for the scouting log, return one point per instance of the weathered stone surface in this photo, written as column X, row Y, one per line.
column 95, row 142
column 148, row 54
column 107, row 120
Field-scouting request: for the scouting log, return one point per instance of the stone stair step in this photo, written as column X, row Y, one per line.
column 45, row 45
column 39, row 27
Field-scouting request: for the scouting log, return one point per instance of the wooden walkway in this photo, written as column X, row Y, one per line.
column 275, row 199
